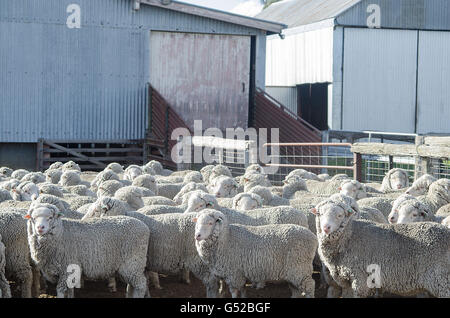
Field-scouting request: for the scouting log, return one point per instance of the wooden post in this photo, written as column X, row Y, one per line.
column 421, row 164
column 166, row 139
column 391, row 162
column 357, row 167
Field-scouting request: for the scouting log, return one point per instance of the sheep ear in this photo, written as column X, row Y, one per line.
column 194, row 220
column 27, row 216
column 340, row 188
column 350, row 211
column 219, row 220
column 314, row 211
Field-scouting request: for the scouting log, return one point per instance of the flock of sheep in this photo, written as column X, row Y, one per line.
column 229, row 232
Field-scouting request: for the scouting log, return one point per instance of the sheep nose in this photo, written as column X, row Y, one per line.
column 399, row 186
column 197, row 237
column 326, row 229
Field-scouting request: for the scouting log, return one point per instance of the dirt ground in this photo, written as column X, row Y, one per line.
column 173, row 288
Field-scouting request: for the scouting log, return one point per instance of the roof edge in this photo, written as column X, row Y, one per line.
column 229, row 17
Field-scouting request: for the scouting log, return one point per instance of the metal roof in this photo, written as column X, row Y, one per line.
column 257, row 23
column 295, row 13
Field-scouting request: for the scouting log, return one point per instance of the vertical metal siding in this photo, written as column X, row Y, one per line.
column 433, row 85
column 215, row 67
column 300, row 58
column 88, row 83
column 285, row 95
column 379, row 80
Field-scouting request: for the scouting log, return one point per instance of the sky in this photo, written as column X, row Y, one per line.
column 244, row 7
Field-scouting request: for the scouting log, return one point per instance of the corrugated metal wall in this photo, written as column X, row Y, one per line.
column 215, row 67
column 300, row 58
column 285, row 95
column 379, row 80
column 87, row 83
column 433, row 86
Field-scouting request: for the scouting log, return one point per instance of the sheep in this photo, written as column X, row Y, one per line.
column 169, row 179
column 70, row 166
column 189, row 187
column 35, row 177
column 324, row 177
column 8, row 205
column 395, row 179
column 369, row 214
column 25, row 191
column 50, row 188
column 6, row 172
column 246, row 201
column 131, row 172
column 76, row 202
column 206, row 172
column 131, row 195
column 5, row 195
column 115, row 167
column 273, row 215
column 80, row 190
column 438, row 195
column 19, row 174
column 10, row 184
column 410, row 211
column 105, row 175
column 382, row 204
column 102, row 247
column 293, row 184
column 161, row 209
column 5, row 290
column 269, row 198
column 411, row 257
column 353, row 188
column 421, row 185
column 255, row 179
column 146, row 181
column 224, row 187
column 328, row 187
column 62, row 205
column 443, row 211
column 303, row 174
column 158, row 200
column 56, row 165
column 393, row 216
column 158, row 168
column 169, row 190
column 193, row 176
column 53, row 176
column 107, row 206
column 446, row 222
column 108, row 188
column 216, row 171
column 13, row 229
column 239, row 253
column 70, row 178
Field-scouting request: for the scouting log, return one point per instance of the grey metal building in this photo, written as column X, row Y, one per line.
column 360, row 65
column 79, row 69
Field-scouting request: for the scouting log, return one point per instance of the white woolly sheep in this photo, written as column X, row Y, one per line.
column 53, row 175
column 193, row 176
column 206, row 172
column 293, row 184
column 446, row 222
column 6, row 172
column 395, row 179
column 115, row 167
column 35, row 177
column 70, row 178
column 19, row 174
column 50, row 188
column 269, row 198
column 353, row 188
column 390, row 247
column 324, row 177
column 5, row 290
column 25, row 191
column 255, row 179
column 5, row 195
column 303, row 174
column 56, row 165
column 70, row 166
column 218, row 170
column 158, row 200
column 189, row 187
column 80, row 190
column 421, row 185
column 410, row 211
column 131, row 172
column 393, row 216
column 438, row 195
column 105, row 175
column 238, row 253
column 146, row 181
column 131, row 195
column 102, row 247
column 224, row 187
column 369, row 214
column 247, row 201
column 108, row 188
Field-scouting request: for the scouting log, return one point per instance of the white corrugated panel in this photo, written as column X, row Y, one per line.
column 300, row 58
column 433, row 87
column 379, row 80
column 285, row 95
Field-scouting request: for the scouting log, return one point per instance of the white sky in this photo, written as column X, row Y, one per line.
column 244, row 7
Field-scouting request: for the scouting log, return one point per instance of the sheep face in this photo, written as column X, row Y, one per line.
column 254, row 168
column 42, row 219
column 25, row 192
column 331, row 216
column 132, row 173
column 5, row 171
column 393, row 216
column 398, row 180
column 200, row 201
column 115, row 167
column 225, row 187
column 410, row 213
column 71, row 166
column 246, row 203
column 207, row 223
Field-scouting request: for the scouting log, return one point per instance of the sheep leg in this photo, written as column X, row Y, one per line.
column 130, row 291
column 26, row 281
column 184, row 276
column 308, row 285
column 234, row 292
column 70, row 293
column 5, row 290
column 36, row 285
column 212, row 288
column 334, row 292
column 112, row 286
column 61, row 287
column 153, row 278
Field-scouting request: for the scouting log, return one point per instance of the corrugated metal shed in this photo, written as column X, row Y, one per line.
column 285, row 95
column 87, row 83
column 301, row 12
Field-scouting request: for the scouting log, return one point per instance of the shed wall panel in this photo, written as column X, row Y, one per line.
column 433, row 111
column 285, row 95
column 379, row 80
